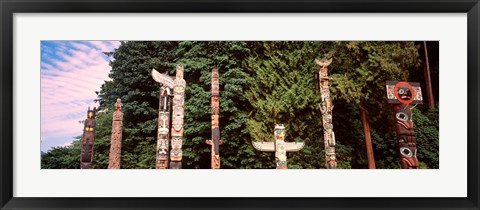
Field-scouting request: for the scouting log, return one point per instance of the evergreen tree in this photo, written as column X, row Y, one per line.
column 284, row 93
column 62, row 157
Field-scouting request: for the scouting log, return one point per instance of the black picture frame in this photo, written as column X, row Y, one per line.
column 10, row 7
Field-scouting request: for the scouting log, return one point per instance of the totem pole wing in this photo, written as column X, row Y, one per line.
column 264, row 146
column 162, row 78
column 324, row 63
column 294, row 146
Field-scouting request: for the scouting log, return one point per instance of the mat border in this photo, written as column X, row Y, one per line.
column 9, row 7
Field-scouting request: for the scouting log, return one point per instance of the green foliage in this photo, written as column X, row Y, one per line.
column 62, row 157
column 102, row 139
column 427, row 133
column 283, row 93
column 261, row 84
column 360, row 69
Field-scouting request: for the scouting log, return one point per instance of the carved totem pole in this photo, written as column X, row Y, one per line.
column 402, row 95
column 215, row 142
column 163, row 129
column 179, row 85
column 86, row 153
column 326, row 108
column 280, row 147
column 114, row 160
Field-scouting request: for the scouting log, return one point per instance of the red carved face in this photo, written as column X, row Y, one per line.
column 409, row 157
column 404, row 92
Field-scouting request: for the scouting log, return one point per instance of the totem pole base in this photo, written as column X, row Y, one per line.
column 162, row 163
column 175, row 165
column 85, row 165
column 331, row 165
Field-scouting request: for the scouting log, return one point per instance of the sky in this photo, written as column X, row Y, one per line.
column 71, row 72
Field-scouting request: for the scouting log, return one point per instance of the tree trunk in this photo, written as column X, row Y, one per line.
column 428, row 83
column 368, row 139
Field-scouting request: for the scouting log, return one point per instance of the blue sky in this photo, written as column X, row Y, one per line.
column 71, row 72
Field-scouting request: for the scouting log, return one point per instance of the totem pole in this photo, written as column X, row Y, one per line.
column 215, row 142
column 86, row 157
column 179, row 85
column 280, row 147
column 166, row 83
column 326, row 108
column 114, row 160
column 402, row 95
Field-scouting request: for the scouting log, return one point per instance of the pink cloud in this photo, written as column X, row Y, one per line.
column 105, row 46
column 70, row 75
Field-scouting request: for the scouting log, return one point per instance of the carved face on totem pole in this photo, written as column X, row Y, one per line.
column 279, row 132
column 91, row 113
column 404, row 92
column 163, row 122
column 90, row 121
column 179, row 71
column 118, row 104
column 176, row 152
column 162, row 154
column 177, row 124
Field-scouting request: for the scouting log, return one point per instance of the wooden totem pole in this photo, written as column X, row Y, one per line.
column 86, row 153
column 215, row 142
column 280, row 147
column 114, row 160
column 179, row 85
column 402, row 95
column 163, row 129
column 326, row 108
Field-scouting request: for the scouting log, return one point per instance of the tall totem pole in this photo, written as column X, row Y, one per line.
column 280, row 147
column 403, row 95
column 179, row 85
column 215, row 142
column 326, row 108
column 114, row 160
column 86, row 157
column 163, row 129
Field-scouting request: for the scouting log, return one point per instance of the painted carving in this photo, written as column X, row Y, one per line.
column 163, row 129
column 163, row 125
column 86, row 157
column 163, row 79
column 279, row 146
column 179, row 85
column 114, row 160
column 215, row 142
column 326, row 108
column 402, row 95
column 404, row 92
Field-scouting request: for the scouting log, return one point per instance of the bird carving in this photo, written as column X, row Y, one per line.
column 163, row 79
column 324, row 63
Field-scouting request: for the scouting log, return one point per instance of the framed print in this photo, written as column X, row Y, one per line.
column 239, row 87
